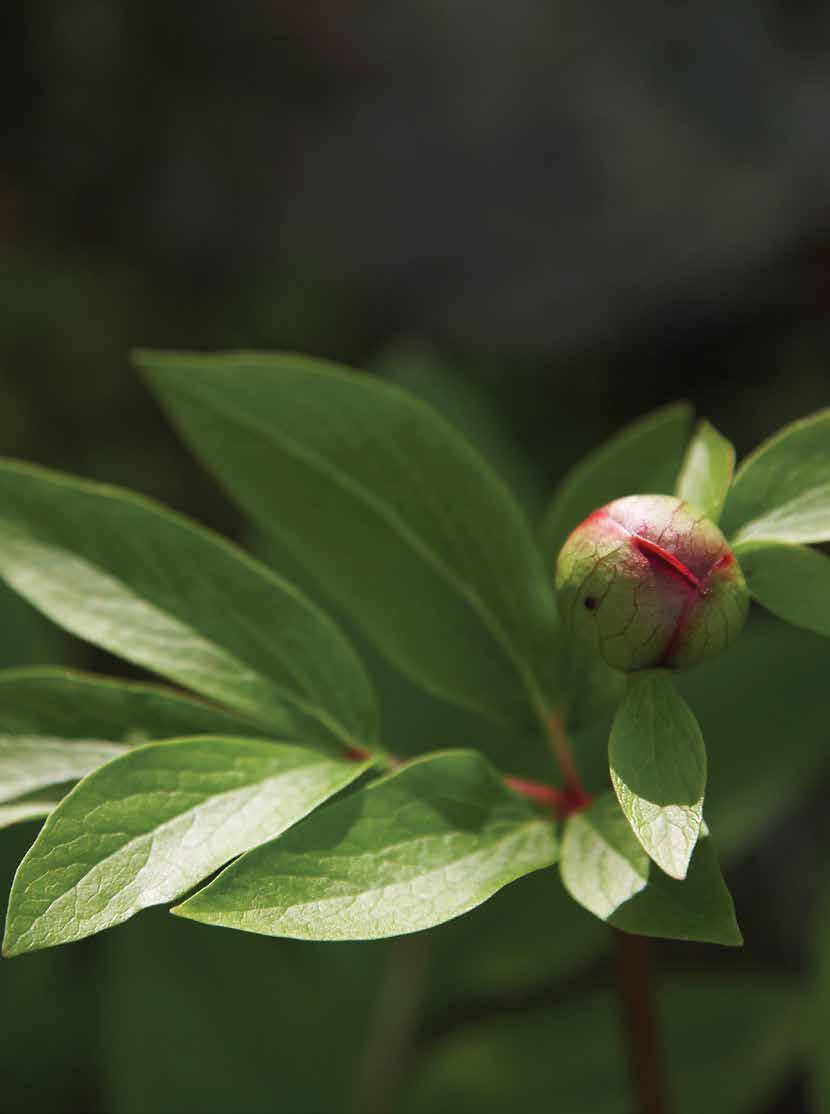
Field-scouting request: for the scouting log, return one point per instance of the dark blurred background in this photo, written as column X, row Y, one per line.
column 545, row 217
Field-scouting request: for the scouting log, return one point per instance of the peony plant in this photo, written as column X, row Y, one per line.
column 264, row 757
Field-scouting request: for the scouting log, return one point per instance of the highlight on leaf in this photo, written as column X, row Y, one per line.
column 126, row 574
column 414, row 849
column 149, row 825
column 606, row 870
column 781, row 491
column 658, row 769
column 410, row 532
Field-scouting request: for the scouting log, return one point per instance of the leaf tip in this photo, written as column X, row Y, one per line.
column 11, row 947
column 677, row 867
column 184, row 910
column 141, row 357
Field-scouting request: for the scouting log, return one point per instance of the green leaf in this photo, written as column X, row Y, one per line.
column 604, row 868
column 419, row 370
column 147, row 584
column 389, row 507
column 74, row 705
column 698, row 908
column 32, row 762
column 658, row 769
column 602, row 863
column 643, row 458
column 782, row 490
column 411, row 851
column 707, row 471
column 57, row 725
column 148, row 826
column 31, row 807
column 763, row 711
column 791, row 581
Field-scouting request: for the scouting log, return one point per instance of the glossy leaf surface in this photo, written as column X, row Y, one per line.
column 124, row 573
column 605, row 869
column 30, row 807
column 782, row 490
column 603, row 864
column 56, row 725
column 151, row 824
column 411, row 851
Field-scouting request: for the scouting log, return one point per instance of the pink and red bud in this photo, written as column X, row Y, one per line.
column 650, row 581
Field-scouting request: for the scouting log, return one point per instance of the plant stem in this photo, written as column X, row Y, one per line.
column 563, row 802
column 557, row 800
column 393, row 1025
column 574, row 795
column 637, row 1000
column 562, row 750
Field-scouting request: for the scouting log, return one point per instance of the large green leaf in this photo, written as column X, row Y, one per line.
column 413, row 850
column 658, row 769
column 57, row 725
column 792, row 581
column 707, row 471
column 782, row 490
column 147, row 584
column 389, row 507
column 643, row 458
column 605, row 869
column 148, row 826
column 69, row 704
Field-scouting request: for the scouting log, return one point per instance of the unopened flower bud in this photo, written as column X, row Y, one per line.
column 650, row 581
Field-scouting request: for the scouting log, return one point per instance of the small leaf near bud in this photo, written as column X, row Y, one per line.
column 650, row 581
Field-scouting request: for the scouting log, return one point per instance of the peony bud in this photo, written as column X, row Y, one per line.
column 649, row 581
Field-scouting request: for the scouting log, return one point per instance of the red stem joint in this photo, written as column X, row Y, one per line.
column 562, row 802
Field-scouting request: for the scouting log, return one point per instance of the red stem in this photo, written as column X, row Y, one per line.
column 561, row 802
column 562, row 751
column 554, row 799
column 640, row 1024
